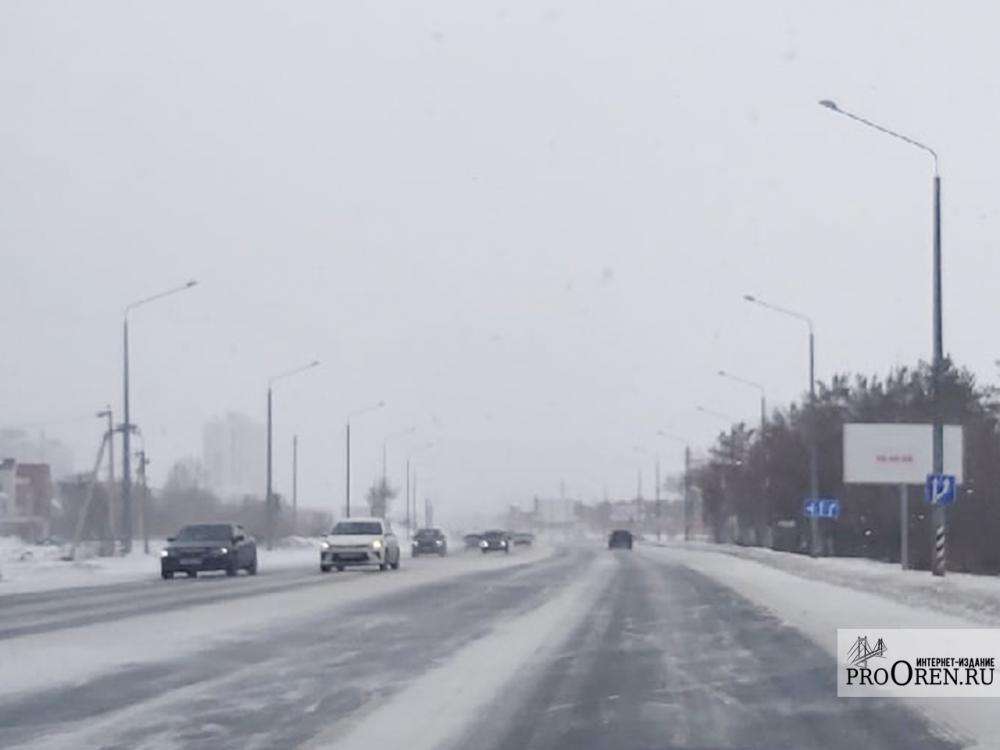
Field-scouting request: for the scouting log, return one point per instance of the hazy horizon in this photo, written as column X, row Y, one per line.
column 527, row 229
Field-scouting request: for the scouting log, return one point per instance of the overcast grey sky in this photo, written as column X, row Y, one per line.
column 525, row 226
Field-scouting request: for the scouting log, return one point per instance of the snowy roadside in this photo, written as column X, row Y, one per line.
column 28, row 568
column 46, row 660
column 975, row 598
column 817, row 608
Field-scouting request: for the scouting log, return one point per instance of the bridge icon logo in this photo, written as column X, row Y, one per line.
column 861, row 651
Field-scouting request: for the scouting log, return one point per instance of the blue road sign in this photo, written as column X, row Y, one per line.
column 822, row 508
column 940, row 489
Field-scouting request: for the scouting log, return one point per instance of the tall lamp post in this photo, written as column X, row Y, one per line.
column 814, row 547
column 766, row 500
column 938, row 516
column 385, row 442
column 410, row 520
column 126, row 414
column 269, row 493
column 347, row 471
column 687, row 480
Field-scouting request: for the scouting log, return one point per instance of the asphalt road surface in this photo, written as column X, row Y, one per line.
column 665, row 658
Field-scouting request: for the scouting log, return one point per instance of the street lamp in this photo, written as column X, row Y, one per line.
column 813, row 449
column 126, row 423
column 938, row 513
column 766, row 499
column 426, row 446
column 347, row 471
column 269, row 495
column 687, row 480
column 385, row 441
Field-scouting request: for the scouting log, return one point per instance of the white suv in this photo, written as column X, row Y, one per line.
column 360, row 541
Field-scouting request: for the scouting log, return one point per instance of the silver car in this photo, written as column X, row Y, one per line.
column 360, row 541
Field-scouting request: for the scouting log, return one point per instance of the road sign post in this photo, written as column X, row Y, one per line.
column 904, row 526
column 822, row 508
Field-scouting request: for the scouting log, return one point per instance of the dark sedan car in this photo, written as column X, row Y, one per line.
column 209, row 546
column 522, row 538
column 621, row 539
column 495, row 541
column 430, row 542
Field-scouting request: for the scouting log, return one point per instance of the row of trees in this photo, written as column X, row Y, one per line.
column 754, row 482
column 186, row 498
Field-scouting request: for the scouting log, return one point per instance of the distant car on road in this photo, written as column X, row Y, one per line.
column 620, row 539
column 522, row 538
column 495, row 541
column 472, row 541
column 430, row 542
column 209, row 546
column 360, row 541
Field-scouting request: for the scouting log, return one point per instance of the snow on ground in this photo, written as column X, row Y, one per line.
column 436, row 707
column 972, row 597
column 45, row 660
column 35, row 567
column 817, row 608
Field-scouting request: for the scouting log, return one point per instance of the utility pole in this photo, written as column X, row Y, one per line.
column 814, row 548
column 409, row 532
column 657, row 498
column 687, row 493
column 127, row 420
column 938, row 516
column 813, row 421
column 126, row 449
column 347, row 472
column 109, row 416
column 269, row 499
column 295, row 484
column 143, row 500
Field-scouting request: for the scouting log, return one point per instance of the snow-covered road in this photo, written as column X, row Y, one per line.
column 577, row 647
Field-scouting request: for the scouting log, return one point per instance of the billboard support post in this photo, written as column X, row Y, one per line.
column 904, row 526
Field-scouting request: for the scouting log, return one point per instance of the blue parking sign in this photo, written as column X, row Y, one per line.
column 940, row 489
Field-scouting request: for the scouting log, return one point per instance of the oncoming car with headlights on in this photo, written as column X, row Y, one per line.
column 209, row 546
column 360, row 541
column 429, row 542
column 495, row 541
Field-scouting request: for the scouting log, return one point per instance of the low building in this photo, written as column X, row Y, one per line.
column 25, row 499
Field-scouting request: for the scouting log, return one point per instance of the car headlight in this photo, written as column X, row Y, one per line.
column 324, row 545
column 377, row 544
column 223, row 550
column 438, row 542
column 484, row 543
column 503, row 543
column 164, row 553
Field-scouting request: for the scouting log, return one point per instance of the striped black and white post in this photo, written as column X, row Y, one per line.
column 939, row 550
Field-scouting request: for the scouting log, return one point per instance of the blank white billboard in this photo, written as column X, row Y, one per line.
column 893, row 453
